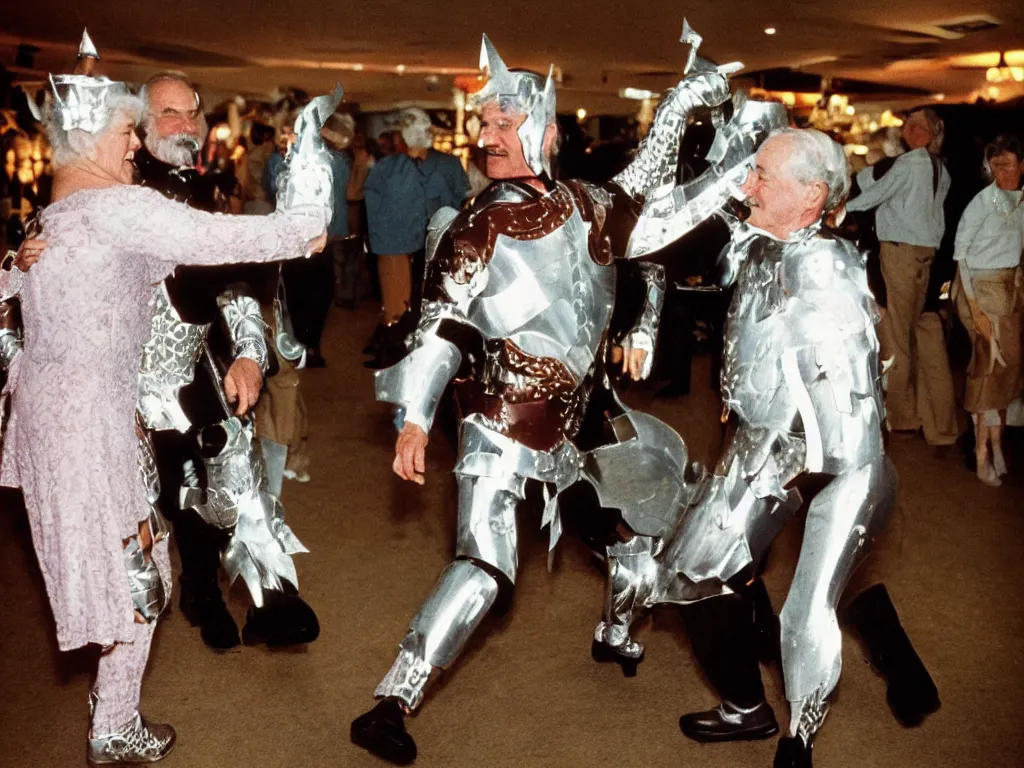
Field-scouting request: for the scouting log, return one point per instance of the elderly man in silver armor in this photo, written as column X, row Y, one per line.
column 801, row 377
column 201, row 373
column 518, row 297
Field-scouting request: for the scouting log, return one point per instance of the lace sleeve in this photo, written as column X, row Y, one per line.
column 173, row 234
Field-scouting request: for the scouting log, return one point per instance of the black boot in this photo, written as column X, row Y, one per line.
column 203, row 606
column 284, row 619
column 722, row 634
column 766, row 624
column 911, row 693
column 792, row 753
column 373, row 345
column 603, row 653
column 382, row 732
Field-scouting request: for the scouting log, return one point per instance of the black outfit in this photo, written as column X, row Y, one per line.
column 193, row 292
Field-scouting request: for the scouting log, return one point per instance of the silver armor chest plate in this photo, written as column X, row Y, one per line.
column 751, row 366
column 547, row 296
column 168, row 364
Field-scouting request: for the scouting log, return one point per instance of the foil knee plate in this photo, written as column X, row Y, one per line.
column 487, row 529
column 463, row 595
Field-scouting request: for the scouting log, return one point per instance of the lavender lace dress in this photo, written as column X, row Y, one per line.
column 71, row 443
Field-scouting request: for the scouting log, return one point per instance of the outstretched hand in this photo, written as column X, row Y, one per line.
column 410, row 453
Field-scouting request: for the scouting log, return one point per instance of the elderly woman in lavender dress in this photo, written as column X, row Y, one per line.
column 72, row 444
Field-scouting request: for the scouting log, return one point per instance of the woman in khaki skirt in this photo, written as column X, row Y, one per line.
column 990, row 300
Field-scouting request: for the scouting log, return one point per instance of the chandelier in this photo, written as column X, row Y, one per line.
column 1003, row 73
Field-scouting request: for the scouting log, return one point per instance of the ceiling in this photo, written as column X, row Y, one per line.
column 600, row 46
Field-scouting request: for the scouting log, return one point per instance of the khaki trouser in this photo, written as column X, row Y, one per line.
column 920, row 385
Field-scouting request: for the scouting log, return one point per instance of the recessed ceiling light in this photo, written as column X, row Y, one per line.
column 769, row 30
column 400, row 69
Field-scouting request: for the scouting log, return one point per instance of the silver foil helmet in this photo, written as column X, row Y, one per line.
column 82, row 101
column 519, row 92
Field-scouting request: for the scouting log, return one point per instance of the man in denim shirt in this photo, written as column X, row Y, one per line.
column 402, row 192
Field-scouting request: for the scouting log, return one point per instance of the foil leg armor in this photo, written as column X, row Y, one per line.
column 147, row 587
column 275, row 457
column 451, row 614
column 841, row 522
column 237, row 497
column 487, row 530
column 632, row 574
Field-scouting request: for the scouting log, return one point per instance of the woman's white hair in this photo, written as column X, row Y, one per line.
column 69, row 146
column 818, row 159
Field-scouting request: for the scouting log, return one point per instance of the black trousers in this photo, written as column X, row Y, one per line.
column 309, row 284
column 199, row 544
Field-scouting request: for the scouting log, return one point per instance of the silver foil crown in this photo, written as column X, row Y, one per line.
column 522, row 92
column 83, row 102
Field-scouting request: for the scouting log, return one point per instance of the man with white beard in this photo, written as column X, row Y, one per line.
column 201, row 373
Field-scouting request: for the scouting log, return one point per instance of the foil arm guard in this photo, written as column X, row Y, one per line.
column 237, row 498
column 645, row 332
column 245, row 326
column 653, row 171
column 417, row 382
column 671, row 212
column 308, row 180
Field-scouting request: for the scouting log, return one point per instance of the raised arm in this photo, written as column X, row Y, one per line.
column 172, row 233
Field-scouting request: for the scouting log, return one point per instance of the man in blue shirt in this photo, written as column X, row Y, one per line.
column 402, row 192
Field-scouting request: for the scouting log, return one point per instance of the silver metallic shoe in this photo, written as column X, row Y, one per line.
column 137, row 743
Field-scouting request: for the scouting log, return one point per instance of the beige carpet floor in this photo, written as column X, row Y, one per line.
column 527, row 692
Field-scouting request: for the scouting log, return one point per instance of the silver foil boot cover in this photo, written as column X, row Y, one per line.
column 451, row 614
column 238, row 498
column 137, row 742
column 841, row 522
column 632, row 574
column 149, row 595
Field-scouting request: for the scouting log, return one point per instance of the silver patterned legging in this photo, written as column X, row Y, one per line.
column 118, row 685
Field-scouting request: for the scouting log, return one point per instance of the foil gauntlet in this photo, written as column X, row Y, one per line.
column 245, row 326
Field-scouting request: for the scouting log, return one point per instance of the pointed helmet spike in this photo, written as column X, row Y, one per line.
column 490, row 59
column 694, row 40
column 87, row 49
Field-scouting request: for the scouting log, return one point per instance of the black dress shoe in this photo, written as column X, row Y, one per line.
column 204, row 608
column 382, row 732
column 791, row 753
column 282, row 620
column 603, row 653
column 727, row 722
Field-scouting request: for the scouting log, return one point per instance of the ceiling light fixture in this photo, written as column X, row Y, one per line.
column 1003, row 73
column 769, row 30
column 400, row 69
column 581, row 114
